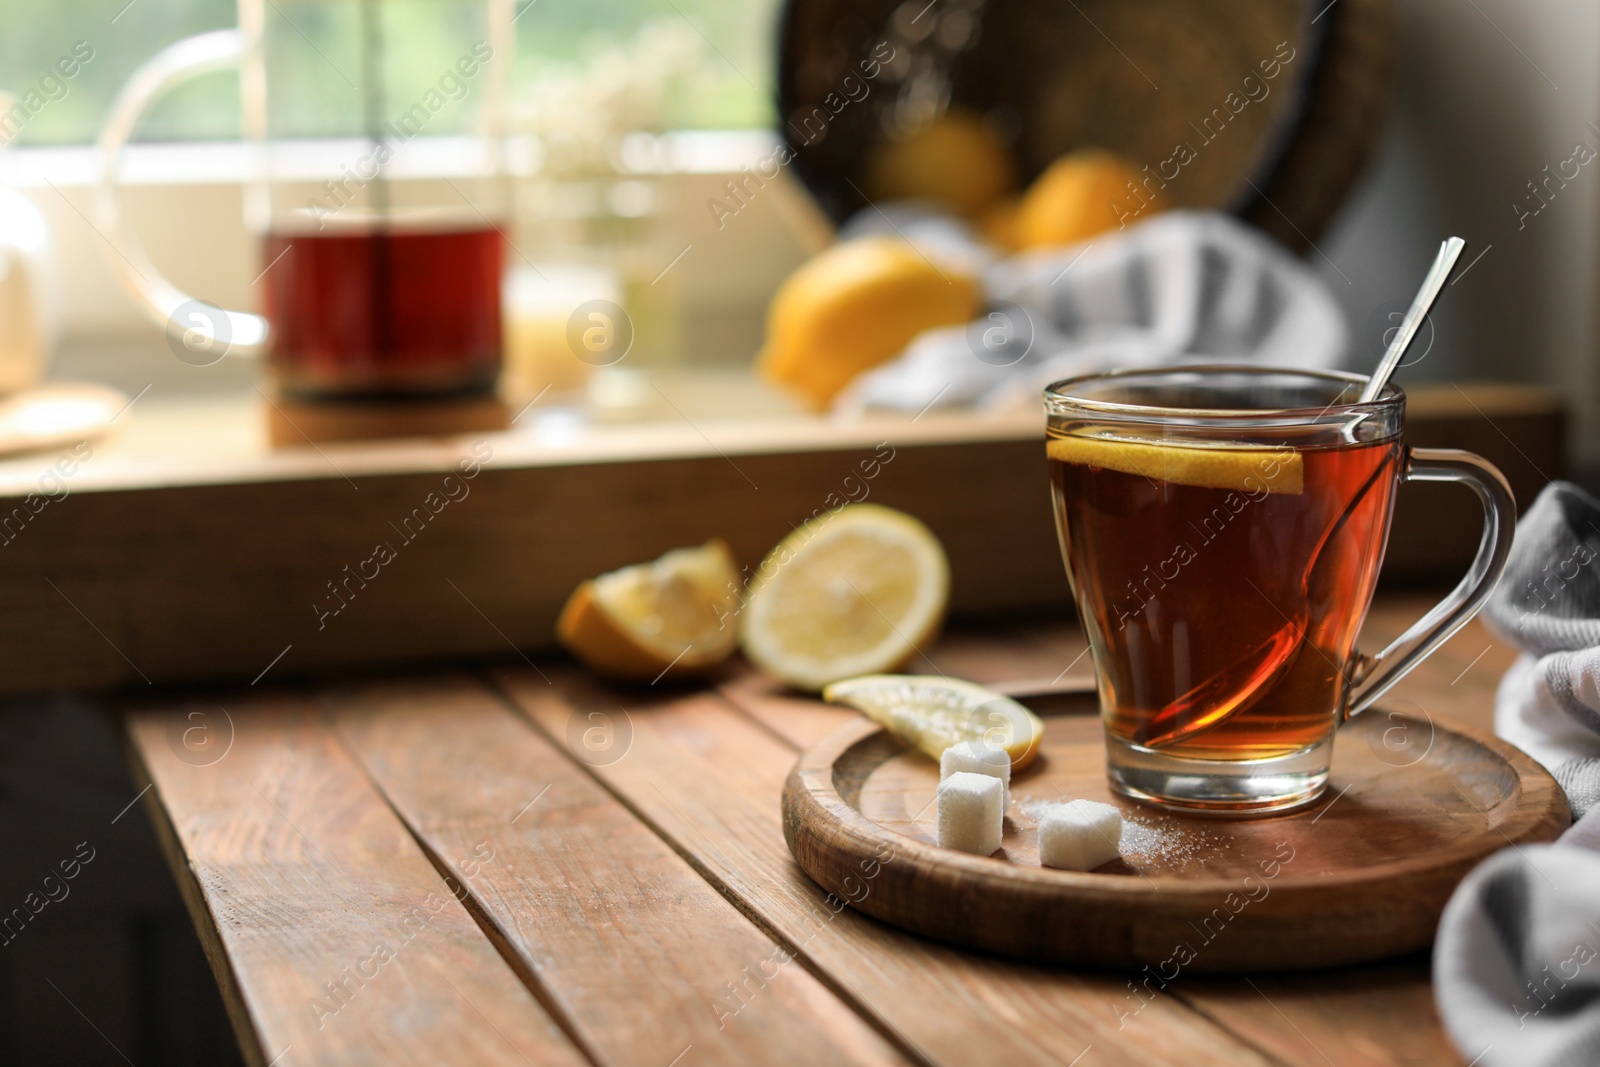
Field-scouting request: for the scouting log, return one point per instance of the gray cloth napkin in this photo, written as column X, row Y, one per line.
column 1516, row 966
column 1517, row 961
column 1548, row 605
column 1182, row 287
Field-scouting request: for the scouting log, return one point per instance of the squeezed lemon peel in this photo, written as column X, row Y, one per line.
column 933, row 713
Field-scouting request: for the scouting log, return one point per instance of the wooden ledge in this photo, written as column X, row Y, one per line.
column 188, row 550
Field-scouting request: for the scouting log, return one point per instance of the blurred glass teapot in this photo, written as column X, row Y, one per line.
column 378, row 192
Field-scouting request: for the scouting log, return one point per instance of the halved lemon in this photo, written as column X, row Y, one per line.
column 934, row 713
column 854, row 591
column 1248, row 470
column 670, row 618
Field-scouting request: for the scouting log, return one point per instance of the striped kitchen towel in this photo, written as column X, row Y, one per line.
column 1516, row 966
column 1517, row 961
column 1548, row 606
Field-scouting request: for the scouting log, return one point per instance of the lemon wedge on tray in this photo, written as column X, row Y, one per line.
column 853, row 591
column 668, row 618
column 934, row 713
column 1248, row 470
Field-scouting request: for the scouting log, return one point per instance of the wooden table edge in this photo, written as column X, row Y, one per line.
column 193, row 894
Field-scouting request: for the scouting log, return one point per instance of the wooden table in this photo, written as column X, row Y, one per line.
column 524, row 866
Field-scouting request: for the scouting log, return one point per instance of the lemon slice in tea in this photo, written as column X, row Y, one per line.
column 671, row 617
column 1248, row 470
column 934, row 713
column 853, row 591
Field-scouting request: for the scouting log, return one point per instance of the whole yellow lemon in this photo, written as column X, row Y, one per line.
column 954, row 161
column 1082, row 194
column 854, row 306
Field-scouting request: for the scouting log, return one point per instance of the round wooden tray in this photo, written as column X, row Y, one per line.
column 1362, row 875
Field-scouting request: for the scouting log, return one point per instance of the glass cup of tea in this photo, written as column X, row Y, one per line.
column 1222, row 528
column 376, row 189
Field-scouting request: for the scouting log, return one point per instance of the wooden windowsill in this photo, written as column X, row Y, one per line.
column 186, row 550
column 200, row 439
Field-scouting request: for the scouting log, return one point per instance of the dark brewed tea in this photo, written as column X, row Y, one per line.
column 384, row 311
column 1221, row 588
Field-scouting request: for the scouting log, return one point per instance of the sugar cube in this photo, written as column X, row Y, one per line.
column 1080, row 835
column 970, row 812
column 980, row 758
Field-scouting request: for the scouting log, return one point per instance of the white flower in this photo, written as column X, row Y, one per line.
column 581, row 112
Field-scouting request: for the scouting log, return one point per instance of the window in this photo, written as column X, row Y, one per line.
column 730, row 86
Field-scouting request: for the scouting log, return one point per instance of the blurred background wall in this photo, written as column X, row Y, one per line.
column 1488, row 93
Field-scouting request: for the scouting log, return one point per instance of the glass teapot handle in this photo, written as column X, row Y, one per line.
column 203, row 329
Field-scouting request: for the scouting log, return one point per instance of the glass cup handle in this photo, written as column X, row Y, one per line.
column 200, row 327
column 1375, row 675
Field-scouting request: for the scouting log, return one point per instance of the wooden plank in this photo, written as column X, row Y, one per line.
column 1374, row 1016
column 333, row 938
column 709, row 779
column 639, row 957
